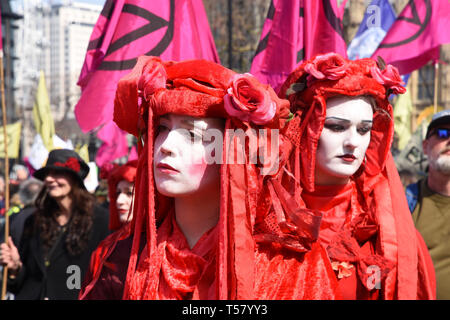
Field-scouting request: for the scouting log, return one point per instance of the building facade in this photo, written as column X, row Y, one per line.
column 52, row 36
column 70, row 27
column 9, row 26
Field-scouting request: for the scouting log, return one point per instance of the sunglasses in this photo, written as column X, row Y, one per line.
column 442, row 133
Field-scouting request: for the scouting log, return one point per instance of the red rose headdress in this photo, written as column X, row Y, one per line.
column 377, row 184
column 315, row 81
column 199, row 88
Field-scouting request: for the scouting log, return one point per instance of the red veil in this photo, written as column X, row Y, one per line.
column 125, row 172
column 380, row 210
column 264, row 246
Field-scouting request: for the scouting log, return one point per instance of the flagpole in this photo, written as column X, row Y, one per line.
column 436, row 79
column 2, row 90
column 230, row 34
column 412, row 123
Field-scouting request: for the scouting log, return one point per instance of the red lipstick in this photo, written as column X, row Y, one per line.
column 165, row 168
column 348, row 157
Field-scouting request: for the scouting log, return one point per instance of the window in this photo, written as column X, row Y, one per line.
column 425, row 87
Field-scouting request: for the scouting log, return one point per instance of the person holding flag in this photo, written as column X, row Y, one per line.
column 58, row 238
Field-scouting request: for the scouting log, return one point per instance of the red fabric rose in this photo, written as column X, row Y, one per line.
column 389, row 77
column 329, row 66
column 71, row 163
column 249, row 100
column 344, row 269
column 153, row 77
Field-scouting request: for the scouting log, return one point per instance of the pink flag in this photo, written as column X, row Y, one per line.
column 415, row 37
column 115, row 144
column 340, row 10
column 133, row 155
column 127, row 29
column 293, row 31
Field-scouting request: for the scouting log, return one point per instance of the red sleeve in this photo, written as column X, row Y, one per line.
column 107, row 267
column 109, row 286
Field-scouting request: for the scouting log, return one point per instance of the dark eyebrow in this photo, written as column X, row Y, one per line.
column 336, row 118
column 345, row 120
column 188, row 123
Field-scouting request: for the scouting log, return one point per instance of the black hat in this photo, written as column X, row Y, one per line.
column 64, row 160
column 439, row 118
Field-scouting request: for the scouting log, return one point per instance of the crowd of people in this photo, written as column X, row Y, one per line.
column 58, row 224
column 324, row 216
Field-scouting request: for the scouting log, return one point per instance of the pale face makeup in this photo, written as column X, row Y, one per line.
column 180, row 156
column 58, row 184
column 124, row 192
column 344, row 139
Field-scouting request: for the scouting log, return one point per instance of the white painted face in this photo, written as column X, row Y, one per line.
column 124, row 200
column 181, row 166
column 344, row 139
column 58, row 184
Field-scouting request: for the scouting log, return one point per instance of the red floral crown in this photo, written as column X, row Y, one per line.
column 319, row 71
column 316, row 80
column 198, row 88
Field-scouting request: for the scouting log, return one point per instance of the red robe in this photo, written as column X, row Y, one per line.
column 186, row 273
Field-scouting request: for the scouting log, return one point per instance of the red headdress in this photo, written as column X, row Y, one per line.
column 377, row 187
column 200, row 88
column 125, row 172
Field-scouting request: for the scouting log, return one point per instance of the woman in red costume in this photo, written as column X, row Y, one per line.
column 344, row 125
column 206, row 229
column 120, row 190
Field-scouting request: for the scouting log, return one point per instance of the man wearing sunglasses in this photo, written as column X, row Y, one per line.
column 429, row 200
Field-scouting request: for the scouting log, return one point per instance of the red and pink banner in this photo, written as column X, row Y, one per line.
column 415, row 37
column 126, row 29
column 293, row 31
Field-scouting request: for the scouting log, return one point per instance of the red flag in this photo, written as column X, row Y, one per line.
column 293, row 31
column 415, row 37
column 126, row 29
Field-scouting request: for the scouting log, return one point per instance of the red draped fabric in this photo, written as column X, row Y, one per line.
column 252, row 253
column 366, row 224
column 125, row 172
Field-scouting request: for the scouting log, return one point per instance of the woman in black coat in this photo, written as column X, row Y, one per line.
column 59, row 237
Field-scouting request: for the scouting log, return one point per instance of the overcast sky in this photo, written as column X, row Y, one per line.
column 101, row 2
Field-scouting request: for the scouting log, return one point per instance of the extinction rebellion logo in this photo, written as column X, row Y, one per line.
column 419, row 21
column 154, row 24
